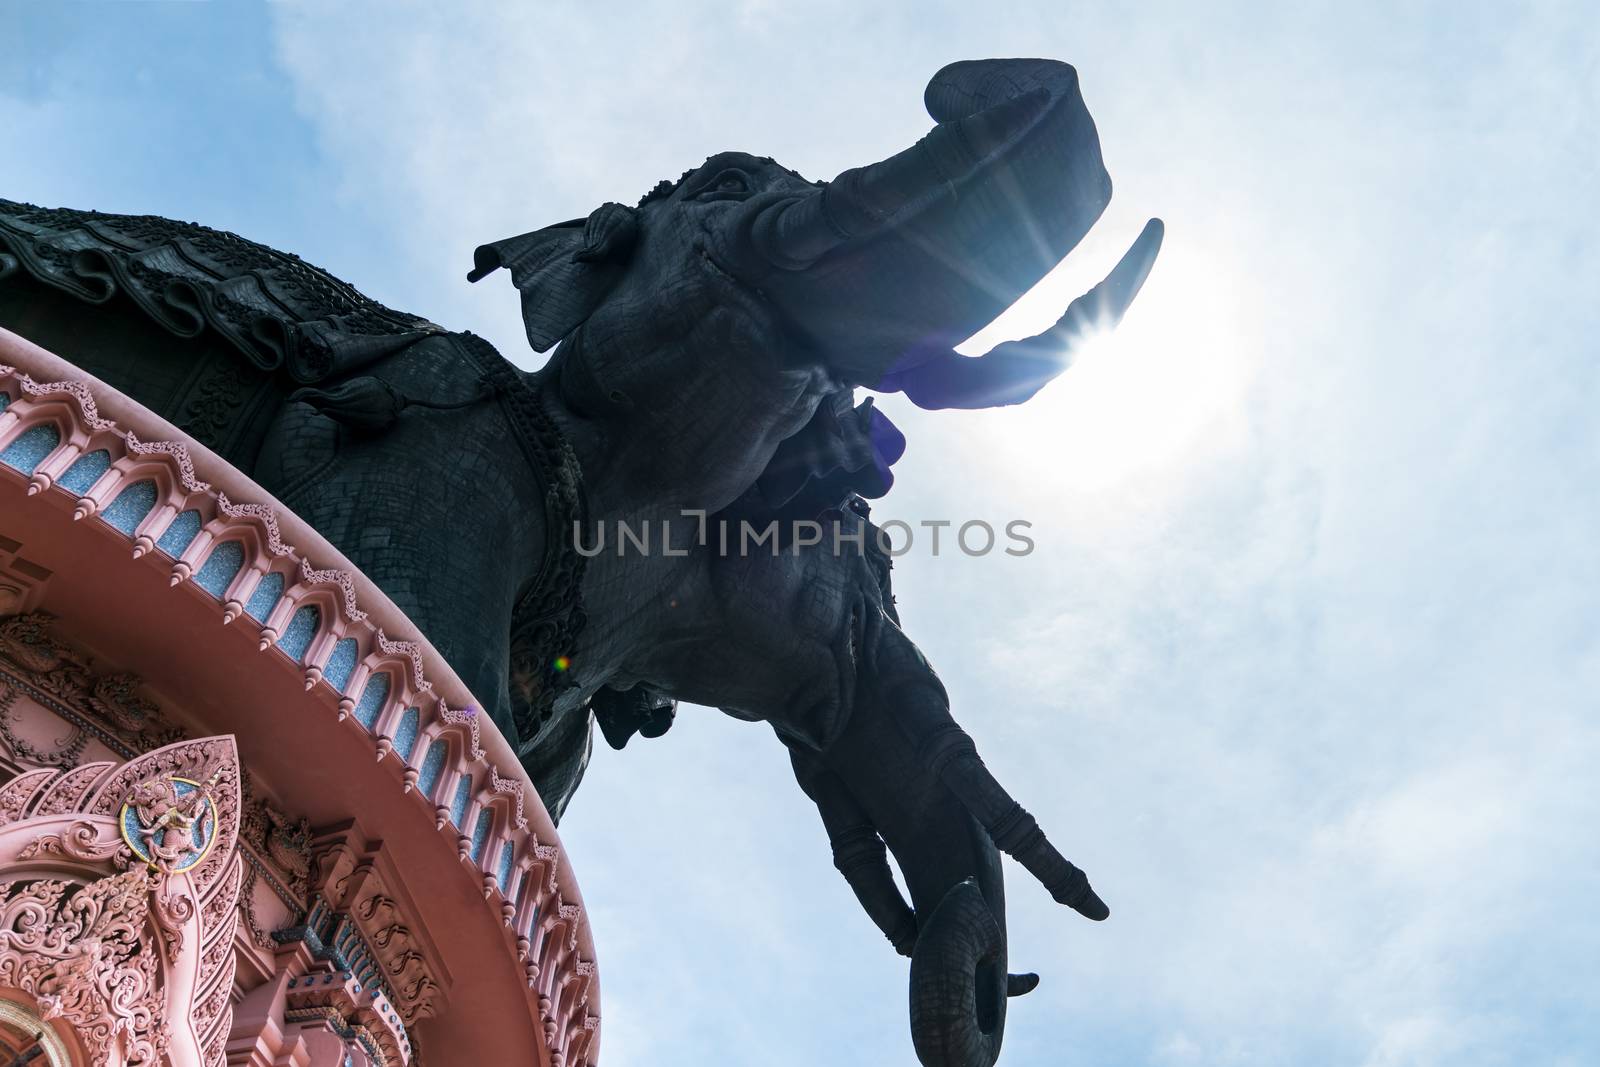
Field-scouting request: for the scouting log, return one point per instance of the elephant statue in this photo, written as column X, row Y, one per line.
column 708, row 346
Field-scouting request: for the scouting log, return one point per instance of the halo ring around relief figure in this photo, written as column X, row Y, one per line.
column 141, row 836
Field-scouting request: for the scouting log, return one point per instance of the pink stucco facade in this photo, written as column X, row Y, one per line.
column 247, row 814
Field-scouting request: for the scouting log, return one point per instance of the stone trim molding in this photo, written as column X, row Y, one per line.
column 540, row 907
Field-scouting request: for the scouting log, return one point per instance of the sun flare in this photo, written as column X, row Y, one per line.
column 1135, row 398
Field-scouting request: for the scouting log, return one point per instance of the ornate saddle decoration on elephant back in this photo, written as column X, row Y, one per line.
column 275, row 308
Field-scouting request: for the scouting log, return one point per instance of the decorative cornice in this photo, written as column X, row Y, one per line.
column 510, row 785
column 77, row 390
column 412, row 651
column 539, row 896
column 262, row 514
column 468, row 717
column 178, row 451
column 347, row 589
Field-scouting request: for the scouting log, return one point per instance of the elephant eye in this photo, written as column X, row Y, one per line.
column 728, row 185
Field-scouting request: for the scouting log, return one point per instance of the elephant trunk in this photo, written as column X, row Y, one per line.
column 873, row 782
column 865, row 199
column 952, row 873
column 959, row 982
column 902, row 773
column 928, row 246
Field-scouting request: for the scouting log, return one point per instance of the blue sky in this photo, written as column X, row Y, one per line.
column 1304, row 671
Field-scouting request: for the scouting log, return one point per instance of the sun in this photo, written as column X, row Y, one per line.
column 1137, row 399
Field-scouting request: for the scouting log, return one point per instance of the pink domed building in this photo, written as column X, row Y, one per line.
column 248, row 815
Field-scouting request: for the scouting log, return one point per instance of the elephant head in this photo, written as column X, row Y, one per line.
column 744, row 292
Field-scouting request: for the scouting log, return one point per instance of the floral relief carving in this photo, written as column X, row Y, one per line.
column 177, row 451
column 67, row 793
column 221, row 904
column 510, row 785
column 25, row 639
column 67, row 748
column 347, row 587
column 171, row 912
column 111, row 701
column 91, row 954
column 468, row 717
column 215, row 1055
column 116, row 698
column 279, row 839
column 82, row 841
column 413, row 653
column 84, row 953
column 79, row 391
column 262, row 514
column 247, row 911
column 15, row 794
column 217, row 967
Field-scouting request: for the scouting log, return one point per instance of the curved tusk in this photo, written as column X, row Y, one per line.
column 1013, row 372
column 1107, row 302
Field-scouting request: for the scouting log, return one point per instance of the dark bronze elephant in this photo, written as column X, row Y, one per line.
column 708, row 345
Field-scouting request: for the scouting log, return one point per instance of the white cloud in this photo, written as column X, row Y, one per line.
column 1303, row 670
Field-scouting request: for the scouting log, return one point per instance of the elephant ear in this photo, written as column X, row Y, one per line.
column 563, row 271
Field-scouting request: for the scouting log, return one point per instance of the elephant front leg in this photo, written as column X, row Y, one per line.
column 859, row 854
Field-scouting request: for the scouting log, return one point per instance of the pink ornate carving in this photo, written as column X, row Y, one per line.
column 86, row 955
column 262, row 514
column 178, row 452
column 57, row 669
column 358, row 880
column 110, row 708
column 247, row 910
column 26, row 640
column 77, row 390
column 220, row 904
column 347, row 587
column 81, row 841
column 170, row 913
column 67, row 792
column 66, row 751
column 212, row 759
column 510, row 785
column 217, row 968
column 468, row 717
column 412, row 651
column 280, row 840
column 116, row 698
column 570, row 914
column 15, row 794
column 168, row 820
column 216, row 1049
